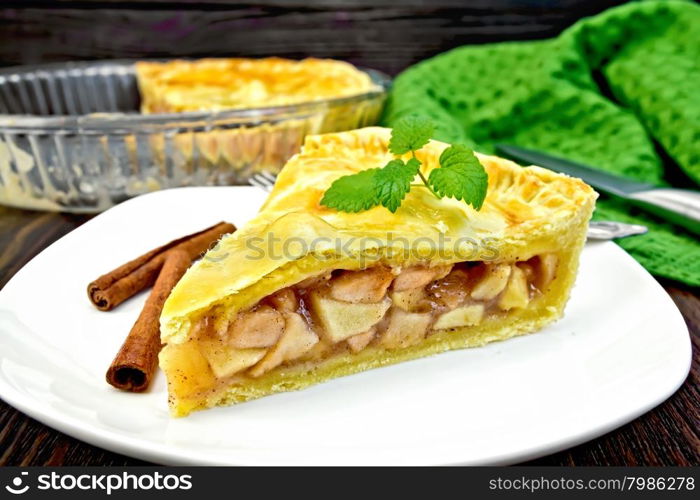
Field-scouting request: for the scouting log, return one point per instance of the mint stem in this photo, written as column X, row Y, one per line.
column 422, row 177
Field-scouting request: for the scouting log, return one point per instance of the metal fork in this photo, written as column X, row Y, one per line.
column 264, row 180
column 597, row 230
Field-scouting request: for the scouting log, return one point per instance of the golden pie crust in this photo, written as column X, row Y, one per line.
column 219, row 84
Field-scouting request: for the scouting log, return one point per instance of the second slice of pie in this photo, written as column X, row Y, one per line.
column 304, row 293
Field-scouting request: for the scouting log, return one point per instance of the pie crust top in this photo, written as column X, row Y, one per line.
column 218, row 84
column 527, row 211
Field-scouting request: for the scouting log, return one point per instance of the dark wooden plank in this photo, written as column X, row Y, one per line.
column 24, row 233
column 384, row 35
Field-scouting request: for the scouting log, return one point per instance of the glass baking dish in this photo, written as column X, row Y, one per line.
column 72, row 138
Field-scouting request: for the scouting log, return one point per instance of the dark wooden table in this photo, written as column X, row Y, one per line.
column 381, row 34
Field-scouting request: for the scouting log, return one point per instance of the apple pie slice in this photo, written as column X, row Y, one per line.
column 304, row 293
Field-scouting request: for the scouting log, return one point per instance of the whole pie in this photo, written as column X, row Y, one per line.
column 304, row 293
column 231, row 149
column 218, row 84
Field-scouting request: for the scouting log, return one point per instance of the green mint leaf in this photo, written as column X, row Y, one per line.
column 393, row 182
column 460, row 176
column 410, row 134
column 352, row 193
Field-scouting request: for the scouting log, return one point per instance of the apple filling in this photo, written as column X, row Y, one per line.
column 349, row 311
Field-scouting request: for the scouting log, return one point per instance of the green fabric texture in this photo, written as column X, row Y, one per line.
column 612, row 91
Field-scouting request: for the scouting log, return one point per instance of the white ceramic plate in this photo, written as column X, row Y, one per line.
column 622, row 349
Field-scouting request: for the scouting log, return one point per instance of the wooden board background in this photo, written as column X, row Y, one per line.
column 380, row 34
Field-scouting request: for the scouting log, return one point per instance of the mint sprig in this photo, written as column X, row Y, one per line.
column 459, row 176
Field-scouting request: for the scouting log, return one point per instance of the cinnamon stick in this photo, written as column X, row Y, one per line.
column 134, row 365
column 113, row 288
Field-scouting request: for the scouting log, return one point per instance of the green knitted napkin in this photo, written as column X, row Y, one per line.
column 612, row 91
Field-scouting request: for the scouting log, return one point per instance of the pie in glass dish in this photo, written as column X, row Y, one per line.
column 253, row 133
column 304, row 293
